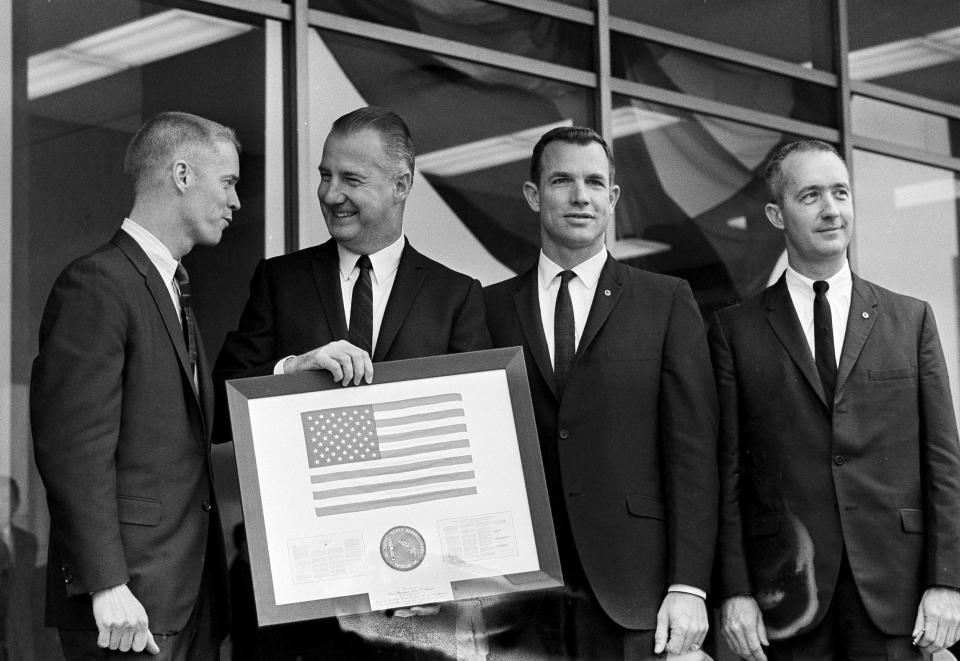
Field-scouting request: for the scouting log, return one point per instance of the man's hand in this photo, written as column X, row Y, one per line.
column 938, row 620
column 425, row 609
column 122, row 621
column 742, row 627
column 343, row 360
column 683, row 617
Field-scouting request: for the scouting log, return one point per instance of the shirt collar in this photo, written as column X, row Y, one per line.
column 158, row 253
column 841, row 280
column 588, row 270
column 383, row 262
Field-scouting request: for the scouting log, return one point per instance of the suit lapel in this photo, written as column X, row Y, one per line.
column 206, row 386
column 161, row 297
column 410, row 274
column 326, row 273
column 782, row 317
column 609, row 289
column 863, row 316
column 527, row 302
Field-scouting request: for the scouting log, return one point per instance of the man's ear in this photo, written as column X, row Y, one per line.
column 402, row 185
column 532, row 194
column 182, row 174
column 774, row 215
column 614, row 196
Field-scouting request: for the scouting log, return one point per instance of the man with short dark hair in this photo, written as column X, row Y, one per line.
column 626, row 412
column 364, row 296
column 121, row 406
column 839, row 455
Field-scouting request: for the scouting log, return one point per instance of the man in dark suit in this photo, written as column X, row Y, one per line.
column 626, row 412
column 121, row 405
column 364, row 296
column 840, row 464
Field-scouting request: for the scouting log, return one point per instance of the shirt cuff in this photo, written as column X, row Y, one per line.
column 278, row 368
column 689, row 589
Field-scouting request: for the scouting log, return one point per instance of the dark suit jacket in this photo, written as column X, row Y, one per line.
column 296, row 305
column 122, row 443
column 635, row 430
column 881, row 477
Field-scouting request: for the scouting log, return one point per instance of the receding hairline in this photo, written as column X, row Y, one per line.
column 572, row 135
column 774, row 179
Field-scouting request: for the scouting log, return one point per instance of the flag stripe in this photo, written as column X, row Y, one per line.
column 421, row 449
column 399, row 484
column 420, row 433
column 419, row 417
column 389, row 470
column 417, row 401
column 393, row 502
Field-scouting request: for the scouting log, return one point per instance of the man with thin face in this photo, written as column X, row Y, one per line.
column 626, row 413
column 364, row 296
column 121, row 406
column 839, row 455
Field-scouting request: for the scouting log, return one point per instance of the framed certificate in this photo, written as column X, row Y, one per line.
column 424, row 486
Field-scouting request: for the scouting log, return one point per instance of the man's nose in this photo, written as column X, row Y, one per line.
column 234, row 202
column 329, row 192
column 578, row 193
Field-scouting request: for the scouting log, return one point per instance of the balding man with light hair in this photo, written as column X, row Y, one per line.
column 121, row 406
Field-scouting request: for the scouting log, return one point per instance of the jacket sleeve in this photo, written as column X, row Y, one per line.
column 731, row 576
column 75, row 410
column 688, row 431
column 469, row 331
column 940, row 456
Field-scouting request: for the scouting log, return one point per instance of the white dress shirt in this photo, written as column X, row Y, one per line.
column 838, row 295
column 582, row 289
column 159, row 256
column 384, row 265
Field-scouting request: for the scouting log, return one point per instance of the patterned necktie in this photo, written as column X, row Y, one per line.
column 563, row 332
column 361, row 308
column 823, row 340
column 187, row 320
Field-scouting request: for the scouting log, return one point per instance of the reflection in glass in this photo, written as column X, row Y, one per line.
column 910, row 46
column 695, row 184
column 684, row 71
column 905, row 238
column 474, row 127
column 480, row 24
column 797, row 31
column 905, row 126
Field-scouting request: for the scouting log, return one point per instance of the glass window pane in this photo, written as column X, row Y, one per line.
column 684, row 71
column 910, row 46
column 905, row 126
column 906, row 239
column 692, row 193
column 474, row 127
column 797, row 31
column 480, row 24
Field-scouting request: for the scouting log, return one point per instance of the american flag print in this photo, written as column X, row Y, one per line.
column 388, row 453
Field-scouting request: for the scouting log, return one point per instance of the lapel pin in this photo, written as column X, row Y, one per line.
column 866, row 315
column 606, row 292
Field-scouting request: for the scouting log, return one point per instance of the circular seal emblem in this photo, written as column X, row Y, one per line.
column 403, row 548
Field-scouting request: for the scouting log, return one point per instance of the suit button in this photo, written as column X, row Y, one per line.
column 206, row 506
column 564, row 434
column 839, row 460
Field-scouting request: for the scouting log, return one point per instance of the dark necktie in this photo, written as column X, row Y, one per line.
column 361, row 308
column 187, row 320
column 823, row 340
column 563, row 332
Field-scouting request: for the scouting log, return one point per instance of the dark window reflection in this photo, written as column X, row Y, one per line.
column 909, row 46
column 478, row 23
column 797, row 31
column 684, row 71
column 491, row 116
column 695, row 185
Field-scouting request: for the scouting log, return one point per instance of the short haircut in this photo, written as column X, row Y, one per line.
column 773, row 173
column 580, row 135
column 393, row 131
column 168, row 136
